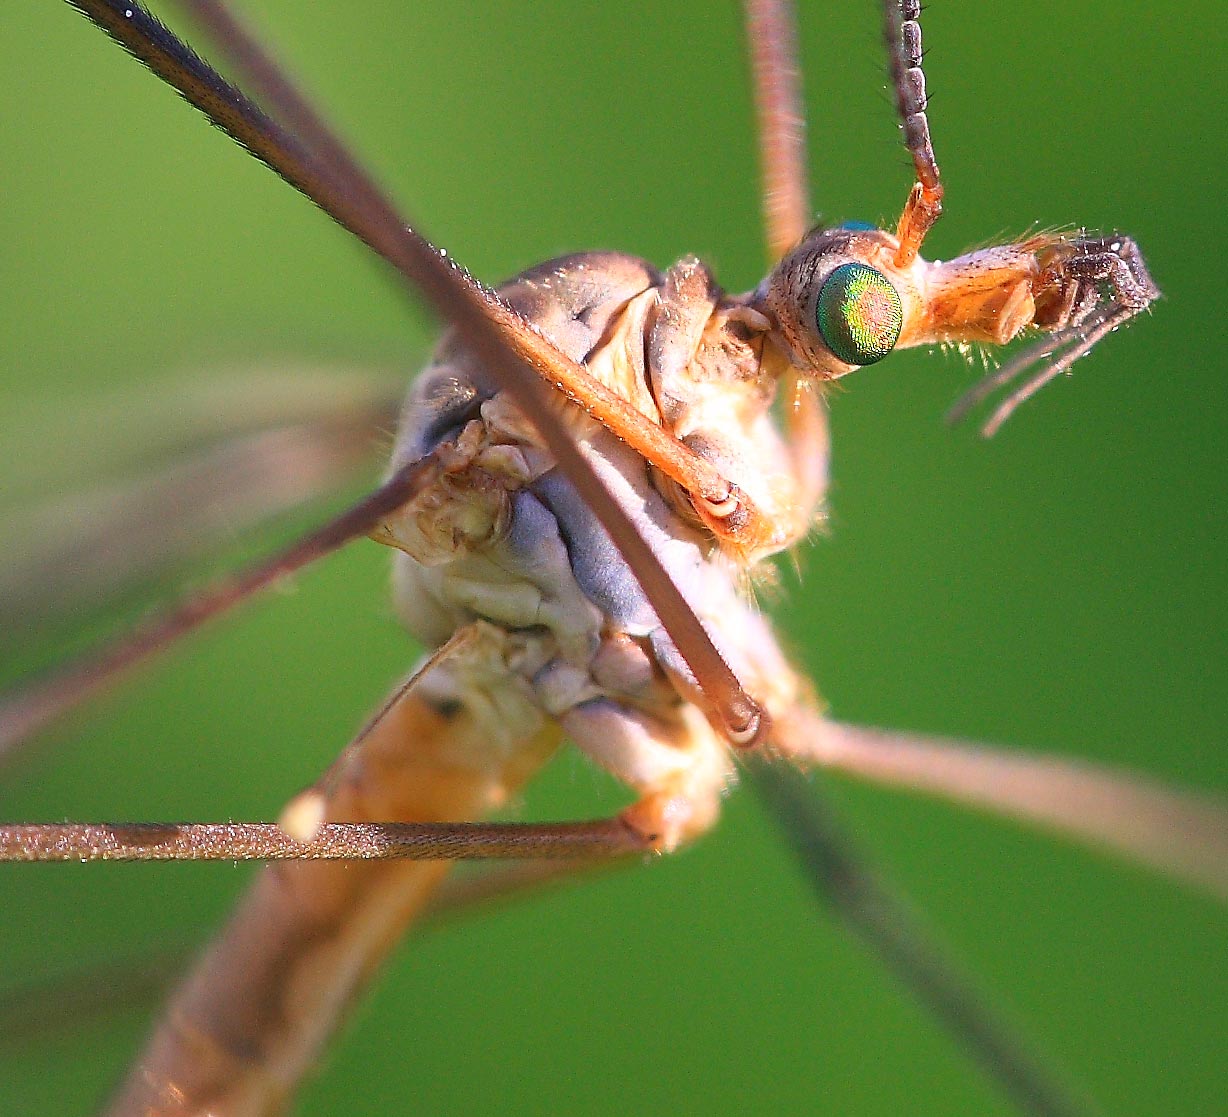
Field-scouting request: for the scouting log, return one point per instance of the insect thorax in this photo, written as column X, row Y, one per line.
column 505, row 540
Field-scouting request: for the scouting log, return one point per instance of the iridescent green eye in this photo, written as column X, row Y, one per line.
column 859, row 314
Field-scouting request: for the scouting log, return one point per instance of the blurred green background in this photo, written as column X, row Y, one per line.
column 1062, row 587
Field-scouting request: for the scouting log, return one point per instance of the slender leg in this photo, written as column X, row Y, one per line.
column 771, row 35
column 611, row 410
column 26, row 710
column 254, row 841
column 74, row 555
column 884, row 921
column 309, row 829
column 1180, row 833
column 110, row 432
column 512, row 350
column 51, row 1006
column 461, row 896
column 309, row 157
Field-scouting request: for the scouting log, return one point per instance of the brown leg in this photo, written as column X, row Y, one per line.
column 1179, row 833
column 886, row 925
column 74, row 555
column 771, row 36
column 266, row 841
column 27, row 709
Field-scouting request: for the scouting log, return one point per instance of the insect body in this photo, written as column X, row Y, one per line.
column 536, row 617
column 656, row 490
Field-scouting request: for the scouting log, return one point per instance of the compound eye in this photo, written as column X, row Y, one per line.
column 859, row 314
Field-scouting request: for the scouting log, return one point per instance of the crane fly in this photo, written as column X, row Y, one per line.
column 306, row 776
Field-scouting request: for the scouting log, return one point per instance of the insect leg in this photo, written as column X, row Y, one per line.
column 27, row 709
column 305, row 151
column 556, row 369
column 776, row 76
column 111, row 431
column 460, row 896
column 71, row 555
column 1180, row 833
column 266, row 841
column 771, row 36
column 886, row 924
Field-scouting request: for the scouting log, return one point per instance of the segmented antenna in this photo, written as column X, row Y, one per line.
column 902, row 26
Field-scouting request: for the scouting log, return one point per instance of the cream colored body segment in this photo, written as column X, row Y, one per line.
column 555, row 637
